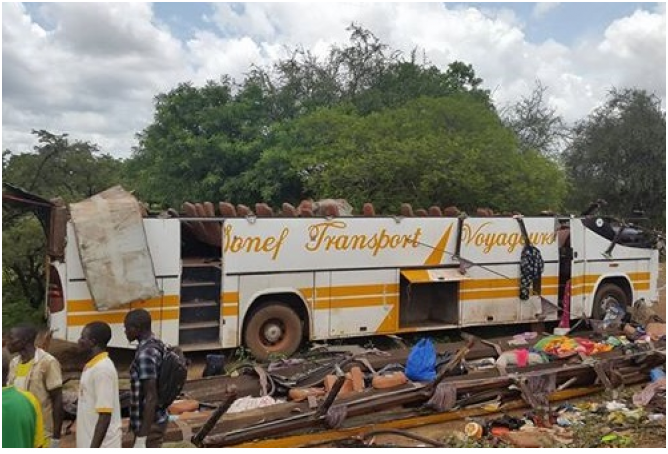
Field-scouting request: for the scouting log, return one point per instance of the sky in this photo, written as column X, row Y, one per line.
column 92, row 70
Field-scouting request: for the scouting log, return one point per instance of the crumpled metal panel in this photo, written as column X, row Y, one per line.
column 111, row 241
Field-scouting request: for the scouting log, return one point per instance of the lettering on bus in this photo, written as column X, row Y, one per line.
column 323, row 236
column 271, row 244
column 481, row 237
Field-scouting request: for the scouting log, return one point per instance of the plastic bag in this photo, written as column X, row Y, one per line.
column 421, row 362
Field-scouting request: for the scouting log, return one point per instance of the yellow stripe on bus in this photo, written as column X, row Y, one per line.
column 356, row 290
column 88, row 305
column 642, row 276
column 229, row 297
column 488, row 284
column 390, row 323
column 362, row 301
column 436, row 256
column 503, row 293
column 119, row 317
column 307, row 292
column 230, row 311
column 584, row 279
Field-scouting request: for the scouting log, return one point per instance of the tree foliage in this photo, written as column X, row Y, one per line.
column 618, row 154
column 59, row 167
column 201, row 139
column 212, row 142
column 538, row 126
column 449, row 150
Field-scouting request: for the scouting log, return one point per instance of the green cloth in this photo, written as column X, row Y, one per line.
column 19, row 420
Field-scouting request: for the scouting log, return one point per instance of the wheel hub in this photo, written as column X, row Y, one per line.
column 612, row 309
column 273, row 332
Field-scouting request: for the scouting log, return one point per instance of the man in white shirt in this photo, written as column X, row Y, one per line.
column 98, row 407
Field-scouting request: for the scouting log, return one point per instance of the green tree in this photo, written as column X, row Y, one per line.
column 537, row 126
column 618, row 154
column 73, row 170
column 200, row 139
column 441, row 151
column 210, row 143
column 59, row 167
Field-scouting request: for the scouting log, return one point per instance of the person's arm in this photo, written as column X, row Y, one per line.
column 148, row 376
column 150, row 391
column 54, row 384
column 39, row 440
column 57, row 402
column 103, row 422
column 105, row 387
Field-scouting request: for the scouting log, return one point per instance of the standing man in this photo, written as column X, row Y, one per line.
column 37, row 372
column 22, row 425
column 98, row 406
column 147, row 420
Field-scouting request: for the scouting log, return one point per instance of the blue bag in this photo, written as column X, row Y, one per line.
column 421, row 363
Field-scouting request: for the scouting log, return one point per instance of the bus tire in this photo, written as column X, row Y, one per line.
column 608, row 294
column 273, row 329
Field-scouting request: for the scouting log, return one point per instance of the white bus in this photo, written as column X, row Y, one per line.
column 273, row 282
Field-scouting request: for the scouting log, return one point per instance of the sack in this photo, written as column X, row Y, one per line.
column 421, row 362
column 172, row 374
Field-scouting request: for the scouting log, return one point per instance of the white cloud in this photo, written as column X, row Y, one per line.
column 543, row 8
column 93, row 76
column 95, row 73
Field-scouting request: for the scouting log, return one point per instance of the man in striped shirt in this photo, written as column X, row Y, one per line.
column 147, row 420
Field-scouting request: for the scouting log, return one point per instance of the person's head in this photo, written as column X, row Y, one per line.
column 6, row 357
column 137, row 322
column 95, row 334
column 20, row 337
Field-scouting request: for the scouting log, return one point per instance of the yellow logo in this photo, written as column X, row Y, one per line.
column 271, row 244
column 488, row 240
column 324, row 236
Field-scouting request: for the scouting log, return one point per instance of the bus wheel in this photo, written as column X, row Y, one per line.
column 609, row 299
column 273, row 329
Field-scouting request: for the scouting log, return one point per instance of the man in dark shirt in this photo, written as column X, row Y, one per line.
column 147, row 420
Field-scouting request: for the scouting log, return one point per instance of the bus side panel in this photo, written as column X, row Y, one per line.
column 495, row 246
column 320, row 305
column 632, row 264
column 72, row 260
column 168, row 312
column 164, row 244
column 487, row 298
column 230, row 333
column 578, row 270
column 363, row 302
column 81, row 310
column 653, row 291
